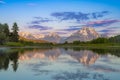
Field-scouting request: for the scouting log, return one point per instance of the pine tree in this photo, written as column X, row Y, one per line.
column 15, row 36
column 2, row 35
column 6, row 29
column 2, row 38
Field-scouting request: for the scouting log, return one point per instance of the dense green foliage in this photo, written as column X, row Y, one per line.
column 115, row 39
column 6, row 35
column 100, row 40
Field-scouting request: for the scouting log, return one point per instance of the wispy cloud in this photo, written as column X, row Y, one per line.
column 79, row 16
column 31, row 4
column 110, row 31
column 70, row 16
column 72, row 21
column 73, row 16
column 2, row 2
column 102, row 23
column 58, row 32
column 72, row 28
column 96, row 15
column 39, row 20
column 40, row 27
column 105, row 30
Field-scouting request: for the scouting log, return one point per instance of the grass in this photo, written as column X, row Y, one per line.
column 26, row 44
column 84, row 45
column 107, row 45
column 14, row 44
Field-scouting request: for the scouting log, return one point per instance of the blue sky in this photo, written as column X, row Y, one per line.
column 62, row 16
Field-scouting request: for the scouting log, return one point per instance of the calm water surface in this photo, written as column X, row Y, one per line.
column 59, row 64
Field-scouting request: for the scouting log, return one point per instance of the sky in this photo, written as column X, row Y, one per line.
column 62, row 16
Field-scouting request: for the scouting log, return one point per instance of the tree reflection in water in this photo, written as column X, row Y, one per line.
column 7, row 57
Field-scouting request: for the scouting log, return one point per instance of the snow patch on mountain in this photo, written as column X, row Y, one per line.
column 85, row 34
column 52, row 37
column 28, row 35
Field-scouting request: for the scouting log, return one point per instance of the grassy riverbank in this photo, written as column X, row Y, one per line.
column 69, row 45
column 90, row 45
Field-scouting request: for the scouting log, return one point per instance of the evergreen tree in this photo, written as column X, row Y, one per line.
column 6, row 29
column 100, row 40
column 115, row 39
column 2, row 35
column 2, row 38
column 14, row 34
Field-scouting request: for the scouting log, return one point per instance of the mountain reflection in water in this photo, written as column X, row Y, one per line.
column 84, row 56
column 59, row 64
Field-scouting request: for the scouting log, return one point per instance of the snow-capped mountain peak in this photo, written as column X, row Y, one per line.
column 52, row 37
column 53, row 34
column 29, row 35
column 84, row 34
column 86, row 31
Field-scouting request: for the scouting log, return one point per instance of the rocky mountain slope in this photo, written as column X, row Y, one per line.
column 52, row 37
column 84, row 34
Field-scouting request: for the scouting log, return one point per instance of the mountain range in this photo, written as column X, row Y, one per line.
column 85, row 57
column 84, row 34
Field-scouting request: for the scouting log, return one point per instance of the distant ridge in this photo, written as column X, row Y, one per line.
column 33, row 40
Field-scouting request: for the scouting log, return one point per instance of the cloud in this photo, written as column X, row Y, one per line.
column 105, row 31
column 39, row 20
column 111, row 31
column 70, row 16
column 102, row 23
column 38, row 17
column 61, row 32
column 72, row 28
column 2, row 2
column 31, row 4
column 40, row 27
column 73, row 21
column 96, row 15
column 79, row 16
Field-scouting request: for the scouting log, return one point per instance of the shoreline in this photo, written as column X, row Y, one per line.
column 61, row 46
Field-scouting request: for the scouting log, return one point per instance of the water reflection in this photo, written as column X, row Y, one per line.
column 78, row 75
column 51, row 54
column 7, row 57
column 102, row 68
column 86, row 57
column 62, row 63
column 38, row 68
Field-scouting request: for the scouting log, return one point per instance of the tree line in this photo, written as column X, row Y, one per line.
column 7, row 35
column 115, row 39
